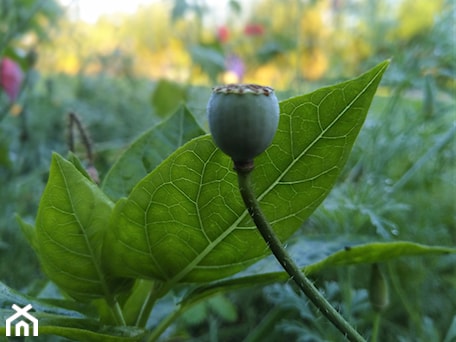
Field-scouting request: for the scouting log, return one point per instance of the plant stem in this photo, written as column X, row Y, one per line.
column 116, row 311
column 376, row 327
column 154, row 294
column 165, row 323
column 285, row 259
column 118, row 314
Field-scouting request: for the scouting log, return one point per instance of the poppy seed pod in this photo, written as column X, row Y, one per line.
column 243, row 119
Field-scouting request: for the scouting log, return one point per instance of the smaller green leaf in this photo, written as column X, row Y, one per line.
column 28, row 230
column 167, row 97
column 149, row 150
column 363, row 254
column 223, row 307
column 64, row 319
column 78, row 329
column 210, row 58
column 196, row 314
column 217, row 304
column 376, row 252
column 78, row 165
column 9, row 296
column 72, row 218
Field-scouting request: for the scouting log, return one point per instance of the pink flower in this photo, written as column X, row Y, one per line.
column 11, row 77
column 253, row 30
column 223, row 34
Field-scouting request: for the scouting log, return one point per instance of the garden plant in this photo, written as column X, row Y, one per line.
column 171, row 222
column 136, row 207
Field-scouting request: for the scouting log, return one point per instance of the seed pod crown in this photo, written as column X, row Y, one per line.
column 243, row 119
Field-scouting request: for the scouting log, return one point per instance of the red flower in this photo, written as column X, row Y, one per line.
column 253, row 30
column 223, row 34
column 11, row 77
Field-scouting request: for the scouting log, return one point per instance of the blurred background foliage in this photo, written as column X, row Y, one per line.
column 201, row 42
column 126, row 72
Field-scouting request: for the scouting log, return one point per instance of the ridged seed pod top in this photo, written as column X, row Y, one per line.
column 243, row 119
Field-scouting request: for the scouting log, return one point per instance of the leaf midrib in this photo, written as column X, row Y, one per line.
column 99, row 272
column 319, row 137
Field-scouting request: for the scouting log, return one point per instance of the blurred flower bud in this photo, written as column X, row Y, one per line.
column 11, row 77
column 253, row 30
column 223, row 34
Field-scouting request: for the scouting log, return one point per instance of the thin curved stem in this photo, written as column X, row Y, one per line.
column 285, row 259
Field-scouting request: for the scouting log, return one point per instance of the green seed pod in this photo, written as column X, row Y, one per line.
column 378, row 289
column 243, row 119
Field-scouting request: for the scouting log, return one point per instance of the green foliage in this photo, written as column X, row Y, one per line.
column 210, row 59
column 140, row 159
column 65, row 319
column 178, row 218
column 167, row 97
column 20, row 17
column 396, row 186
column 190, row 207
column 70, row 226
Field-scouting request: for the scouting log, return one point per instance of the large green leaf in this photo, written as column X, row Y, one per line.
column 185, row 221
column 360, row 254
column 148, row 151
column 376, row 252
column 72, row 217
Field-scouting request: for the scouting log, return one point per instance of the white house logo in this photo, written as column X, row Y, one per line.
column 21, row 321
